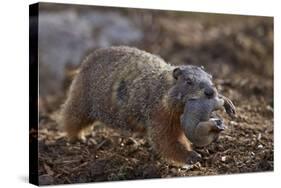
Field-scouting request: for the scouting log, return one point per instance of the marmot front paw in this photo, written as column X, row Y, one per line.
column 193, row 157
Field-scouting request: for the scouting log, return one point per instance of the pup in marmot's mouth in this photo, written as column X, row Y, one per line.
column 196, row 120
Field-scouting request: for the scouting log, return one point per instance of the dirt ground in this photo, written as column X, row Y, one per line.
column 237, row 52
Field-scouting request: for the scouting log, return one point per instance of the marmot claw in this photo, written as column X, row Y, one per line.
column 193, row 157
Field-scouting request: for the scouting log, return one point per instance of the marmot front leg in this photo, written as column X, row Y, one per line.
column 171, row 142
column 75, row 121
column 76, row 128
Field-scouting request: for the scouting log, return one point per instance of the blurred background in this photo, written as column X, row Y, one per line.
column 236, row 50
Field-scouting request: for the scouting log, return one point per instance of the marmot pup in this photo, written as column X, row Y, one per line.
column 128, row 88
column 199, row 128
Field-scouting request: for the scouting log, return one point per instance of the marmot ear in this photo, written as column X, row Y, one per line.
column 177, row 72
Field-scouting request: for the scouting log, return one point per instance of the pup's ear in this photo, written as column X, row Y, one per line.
column 176, row 73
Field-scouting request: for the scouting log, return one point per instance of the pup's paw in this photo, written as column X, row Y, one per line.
column 218, row 125
column 229, row 107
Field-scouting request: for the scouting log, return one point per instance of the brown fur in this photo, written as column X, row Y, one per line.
column 168, row 137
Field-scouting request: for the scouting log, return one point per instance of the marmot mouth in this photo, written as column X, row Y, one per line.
column 193, row 98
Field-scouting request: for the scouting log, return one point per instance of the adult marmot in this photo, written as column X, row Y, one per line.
column 128, row 88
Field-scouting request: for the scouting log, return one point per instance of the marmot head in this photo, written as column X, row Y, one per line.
column 191, row 82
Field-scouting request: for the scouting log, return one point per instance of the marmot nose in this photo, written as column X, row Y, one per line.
column 209, row 92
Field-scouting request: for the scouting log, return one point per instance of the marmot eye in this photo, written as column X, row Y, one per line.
column 189, row 81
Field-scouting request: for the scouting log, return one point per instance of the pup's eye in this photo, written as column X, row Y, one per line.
column 189, row 81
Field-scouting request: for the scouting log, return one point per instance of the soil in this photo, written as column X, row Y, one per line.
column 237, row 51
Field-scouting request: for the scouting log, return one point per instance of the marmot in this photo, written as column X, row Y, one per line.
column 128, row 88
column 196, row 122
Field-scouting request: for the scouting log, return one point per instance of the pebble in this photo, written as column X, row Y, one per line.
column 269, row 108
column 174, row 170
column 234, row 123
column 259, row 136
column 131, row 141
column 223, row 158
column 93, row 141
column 187, row 167
column 260, row 146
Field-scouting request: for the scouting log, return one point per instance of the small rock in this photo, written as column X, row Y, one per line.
column 188, row 167
column 259, row 136
column 93, row 141
column 269, row 108
column 223, row 159
column 93, row 134
column 260, row 146
column 120, row 140
column 174, row 170
column 131, row 141
column 233, row 123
